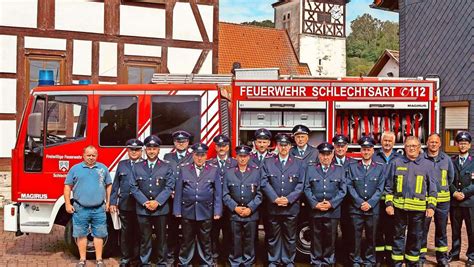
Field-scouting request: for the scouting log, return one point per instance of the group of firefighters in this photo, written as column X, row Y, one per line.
column 389, row 196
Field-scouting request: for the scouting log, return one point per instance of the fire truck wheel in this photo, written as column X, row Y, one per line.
column 303, row 240
column 110, row 242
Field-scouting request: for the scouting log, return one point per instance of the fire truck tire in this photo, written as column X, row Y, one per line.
column 303, row 240
column 110, row 242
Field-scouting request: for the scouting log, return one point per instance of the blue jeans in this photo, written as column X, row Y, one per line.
column 84, row 217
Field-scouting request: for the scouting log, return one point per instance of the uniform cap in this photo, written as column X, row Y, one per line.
column 366, row 141
column 200, row 148
column 263, row 134
column 325, row 147
column 283, row 139
column 340, row 139
column 300, row 129
column 221, row 140
column 134, row 143
column 181, row 135
column 243, row 150
column 463, row 136
column 152, row 141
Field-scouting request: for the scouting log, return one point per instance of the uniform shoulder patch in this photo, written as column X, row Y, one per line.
column 212, row 164
column 312, row 162
column 185, row 164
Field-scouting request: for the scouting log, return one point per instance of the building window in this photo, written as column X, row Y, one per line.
column 140, row 73
column 178, row 112
column 286, row 21
column 35, row 63
column 456, row 118
column 118, row 120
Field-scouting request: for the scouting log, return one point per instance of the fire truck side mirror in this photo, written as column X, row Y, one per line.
column 34, row 125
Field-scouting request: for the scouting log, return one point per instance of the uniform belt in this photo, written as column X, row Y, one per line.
column 89, row 207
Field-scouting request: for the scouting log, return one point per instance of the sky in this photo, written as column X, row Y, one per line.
column 248, row 10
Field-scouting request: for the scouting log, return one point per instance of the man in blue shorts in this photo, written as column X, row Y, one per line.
column 91, row 184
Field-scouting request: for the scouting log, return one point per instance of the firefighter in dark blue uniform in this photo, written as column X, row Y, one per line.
column 180, row 156
column 262, row 142
column 198, row 201
column 223, row 161
column 152, row 186
column 366, row 180
column 410, row 195
column 325, row 188
column 444, row 174
column 242, row 197
column 282, row 184
column 122, row 201
column 462, row 201
column 302, row 150
column 340, row 143
column 384, row 239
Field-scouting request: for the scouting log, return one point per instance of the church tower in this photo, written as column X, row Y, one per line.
column 317, row 31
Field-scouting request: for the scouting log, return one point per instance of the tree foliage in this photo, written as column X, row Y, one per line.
column 367, row 41
column 264, row 23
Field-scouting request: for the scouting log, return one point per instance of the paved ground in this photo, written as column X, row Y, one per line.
column 50, row 250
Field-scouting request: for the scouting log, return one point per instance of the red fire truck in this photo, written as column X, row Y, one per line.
column 59, row 121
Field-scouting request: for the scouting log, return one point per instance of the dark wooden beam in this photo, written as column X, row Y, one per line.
column 5, row 164
column 95, row 62
column 46, row 14
column 112, row 17
column 199, row 22
column 69, row 63
column 7, row 116
column 21, row 95
column 121, row 69
column 200, row 61
column 8, row 75
column 215, row 39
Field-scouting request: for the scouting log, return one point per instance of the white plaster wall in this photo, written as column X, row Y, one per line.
column 8, row 93
column 182, row 60
column 18, row 13
column 79, row 15
column 331, row 51
column 207, row 14
column 142, row 21
column 8, row 137
column 184, row 23
column 294, row 29
column 206, row 67
column 8, row 53
column 142, row 50
column 108, row 59
column 82, row 58
column 391, row 66
column 45, row 43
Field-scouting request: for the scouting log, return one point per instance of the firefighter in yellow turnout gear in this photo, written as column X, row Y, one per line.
column 411, row 193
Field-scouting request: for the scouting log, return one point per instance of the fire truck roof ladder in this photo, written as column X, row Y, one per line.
column 221, row 79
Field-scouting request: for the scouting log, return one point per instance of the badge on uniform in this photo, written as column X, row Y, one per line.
column 253, row 188
column 291, row 179
column 157, row 182
column 472, row 175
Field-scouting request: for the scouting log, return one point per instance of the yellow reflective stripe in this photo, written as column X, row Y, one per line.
column 443, row 196
column 441, row 249
column 380, row 248
column 412, row 258
column 410, row 204
column 419, row 184
column 444, row 174
column 423, row 250
column 397, row 257
column 431, row 200
column 399, row 183
column 402, row 168
column 388, row 198
column 389, row 248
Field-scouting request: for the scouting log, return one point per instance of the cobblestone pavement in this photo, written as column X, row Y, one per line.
column 50, row 250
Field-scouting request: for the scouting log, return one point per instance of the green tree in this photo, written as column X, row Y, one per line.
column 264, row 23
column 367, row 41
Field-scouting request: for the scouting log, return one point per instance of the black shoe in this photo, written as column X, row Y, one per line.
column 452, row 258
column 469, row 263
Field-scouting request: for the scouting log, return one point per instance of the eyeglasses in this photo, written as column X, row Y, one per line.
column 412, row 146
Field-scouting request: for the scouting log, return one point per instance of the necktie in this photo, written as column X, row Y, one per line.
column 261, row 158
column 151, row 166
column 180, row 156
column 301, row 152
column 198, row 170
column 325, row 169
column 366, row 167
column 221, row 162
column 462, row 160
column 283, row 163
